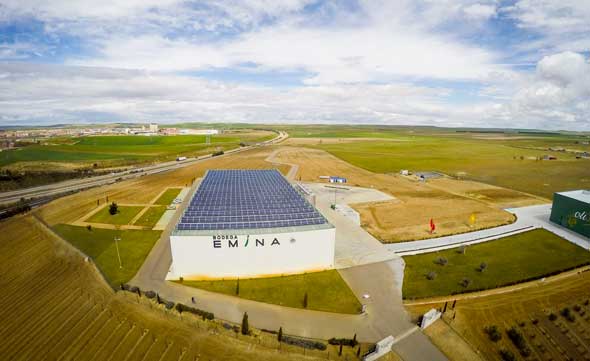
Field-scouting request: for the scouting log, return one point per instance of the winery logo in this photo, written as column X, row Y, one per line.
column 232, row 241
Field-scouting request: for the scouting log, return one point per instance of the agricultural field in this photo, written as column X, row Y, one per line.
column 123, row 216
column 450, row 205
column 504, row 160
column 65, row 158
column 99, row 244
column 150, row 217
column 508, row 260
column 326, row 291
column 56, row 306
column 168, row 196
column 550, row 321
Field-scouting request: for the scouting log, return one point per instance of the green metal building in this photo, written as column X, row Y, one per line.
column 572, row 210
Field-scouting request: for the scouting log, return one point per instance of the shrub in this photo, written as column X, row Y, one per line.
column 169, row 305
column 493, row 333
column 219, row 152
column 552, row 316
column 305, row 300
column 567, row 314
column 89, row 227
column 441, row 261
column 431, row 275
column 577, row 308
column 113, row 209
column 150, row 294
column 204, row 314
column 462, row 249
column 518, row 340
column 308, row 344
column 352, row 342
column 280, row 334
column 466, row 282
column 507, row 355
column 483, row 266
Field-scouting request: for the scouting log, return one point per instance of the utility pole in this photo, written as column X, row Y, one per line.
column 117, row 239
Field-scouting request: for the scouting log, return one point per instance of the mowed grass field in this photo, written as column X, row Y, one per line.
column 123, row 216
column 512, row 259
column 107, row 151
column 168, row 196
column 326, row 291
column 490, row 158
column 134, row 246
column 151, row 216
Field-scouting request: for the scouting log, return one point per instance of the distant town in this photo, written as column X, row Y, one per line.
column 10, row 138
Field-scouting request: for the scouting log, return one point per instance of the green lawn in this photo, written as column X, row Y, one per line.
column 151, row 216
column 326, row 291
column 99, row 244
column 512, row 259
column 168, row 196
column 124, row 215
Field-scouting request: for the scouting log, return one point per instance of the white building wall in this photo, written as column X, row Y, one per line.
column 225, row 256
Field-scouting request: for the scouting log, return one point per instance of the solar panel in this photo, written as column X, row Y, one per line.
column 247, row 199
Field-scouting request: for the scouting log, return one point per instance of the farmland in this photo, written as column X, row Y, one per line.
column 552, row 317
column 56, row 306
column 65, row 158
column 326, row 291
column 508, row 260
column 451, row 205
column 510, row 162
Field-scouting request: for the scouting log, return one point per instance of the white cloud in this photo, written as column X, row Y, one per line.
column 479, row 11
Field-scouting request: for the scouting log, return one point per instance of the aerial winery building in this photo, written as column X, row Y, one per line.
column 249, row 223
column 572, row 210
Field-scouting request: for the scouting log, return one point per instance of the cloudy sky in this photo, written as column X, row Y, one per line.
column 486, row 63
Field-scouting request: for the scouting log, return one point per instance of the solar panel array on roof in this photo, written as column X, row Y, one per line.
column 247, row 199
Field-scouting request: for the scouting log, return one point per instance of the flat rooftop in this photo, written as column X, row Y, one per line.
column 581, row 195
column 247, row 200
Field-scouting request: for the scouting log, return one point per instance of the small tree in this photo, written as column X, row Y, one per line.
column 280, row 334
column 89, row 227
column 340, row 350
column 431, row 275
column 483, row 266
column 113, row 209
column 493, row 333
column 245, row 326
column 238, row 287
column 441, row 261
column 462, row 249
column 466, row 282
column 354, row 341
column 305, row 300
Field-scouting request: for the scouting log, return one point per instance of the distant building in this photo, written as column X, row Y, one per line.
column 153, row 127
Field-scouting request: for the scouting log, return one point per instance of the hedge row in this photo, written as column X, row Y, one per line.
column 308, row 344
column 204, row 314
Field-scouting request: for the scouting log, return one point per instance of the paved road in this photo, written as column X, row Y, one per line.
column 79, row 184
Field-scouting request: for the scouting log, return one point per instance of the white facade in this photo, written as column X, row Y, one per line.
column 227, row 255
